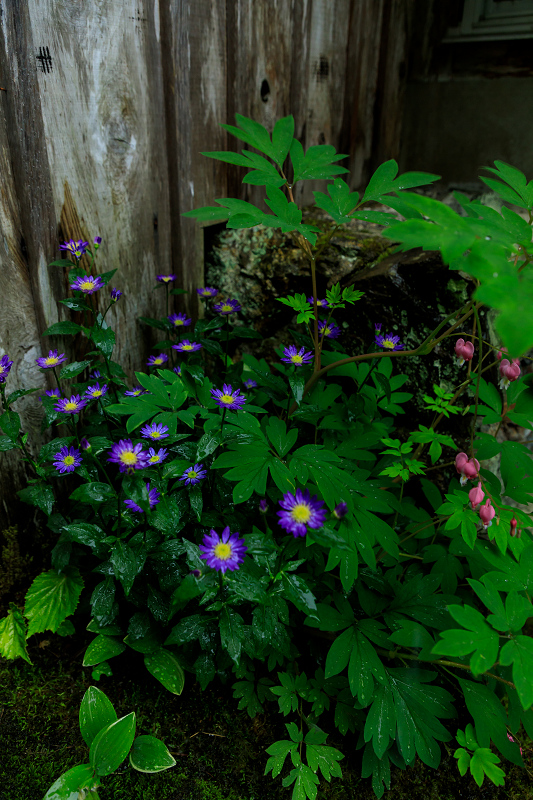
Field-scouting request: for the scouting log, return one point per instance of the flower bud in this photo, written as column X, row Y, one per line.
column 476, row 496
column 196, row 572
column 84, row 443
column 340, row 511
column 464, row 351
column 514, row 531
column 487, row 513
column 263, row 506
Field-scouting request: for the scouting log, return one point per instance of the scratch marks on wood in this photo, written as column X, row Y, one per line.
column 45, row 59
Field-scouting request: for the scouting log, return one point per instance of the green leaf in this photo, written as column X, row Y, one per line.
column 61, row 262
column 276, row 431
column 205, row 214
column 479, row 639
column 92, row 493
column 10, row 424
column 324, row 758
column 297, row 591
column 62, row 328
column 126, row 564
column 339, row 653
column 164, row 666
column 13, row 635
column 149, row 754
column 282, row 136
column 483, row 763
column 104, row 339
column 112, row 744
column 70, row 371
column 519, row 653
column 72, row 784
column 278, row 753
column 231, row 632
column 96, row 712
column 40, row 495
column 380, row 724
column 316, row 163
column 101, row 649
column 51, row 598
column 305, row 782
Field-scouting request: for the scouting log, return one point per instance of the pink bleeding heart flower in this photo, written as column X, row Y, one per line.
column 468, row 468
column 487, row 513
column 509, row 372
column 464, row 351
column 500, row 353
column 476, row 496
column 514, row 532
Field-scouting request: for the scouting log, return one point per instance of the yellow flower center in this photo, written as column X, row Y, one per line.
column 186, row 346
column 296, row 359
column 71, row 406
column 192, row 474
column 301, row 513
column 178, row 322
column 223, row 551
column 227, row 307
column 153, row 459
column 97, row 393
column 388, row 344
column 128, row 457
column 50, row 361
column 155, row 434
column 327, row 330
column 86, row 285
column 158, row 360
column 68, row 460
column 1, row 369
column 226, row 398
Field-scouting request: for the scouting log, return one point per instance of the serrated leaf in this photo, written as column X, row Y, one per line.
column 51, row 598
column 13, row 635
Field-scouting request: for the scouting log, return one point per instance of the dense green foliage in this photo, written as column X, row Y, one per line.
column 369, row 601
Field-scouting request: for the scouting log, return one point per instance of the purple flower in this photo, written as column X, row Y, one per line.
column 227, row 307
column 166, row 278
column 320, row 303
column 5, row 366
column 72, row 406
column 128, row 456
column 76, row 248
column 340, row 510
column 301, row 511
column 115, row 295
column 157, row 361
column 297, row 357
column 328, row 330
column 223, row 552
column 389, row 342
column 177, row 370
column 53, row 393
column 208, row 291
column 377, row 327
column 51, row 360
column 187, row 347
column 94, row 392
column 95, row 374
column 227, row 398
column 157, row 458
column 193, row 475
column 97, row 242
column 263, row 506
column 135, row 392
column 179, row 320
column 153, row 497
column 154, row 431
column 67, row 459
column 88, row 284
column 85, row 443
column 250, row 384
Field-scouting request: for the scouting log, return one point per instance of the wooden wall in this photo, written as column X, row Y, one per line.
column 108, row 104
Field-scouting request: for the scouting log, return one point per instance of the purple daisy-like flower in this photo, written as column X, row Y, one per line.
column 250, row 384
column 297, row 357
column 223, row 552
column 179, row 320
column 88, row 284
column 51, row 360
column 177, row 370
column 135, row 392
column 96, row 391
column 76, row 248
column 67, row 459
column 157, row 361
column 154, row 431
column 157, row 458
column 301, row 511
column 115, row 294
column 53, row 392
column 166, row 278
column 95, row 374
column 5, row 366
column 193, row 475
column 227, row 398
column 128, row 456
column 340, row 510
column 153, row 496
column 320, row 303
column 207, row 291
column 187, row 347
column 327, row 329
column 227, row 307
column 70, row 406
column 389, row 342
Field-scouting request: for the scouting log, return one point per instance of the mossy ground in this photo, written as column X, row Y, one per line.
column 220, row 751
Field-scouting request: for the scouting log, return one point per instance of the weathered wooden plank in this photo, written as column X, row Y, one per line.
column 194, row 58
column 100, row 89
